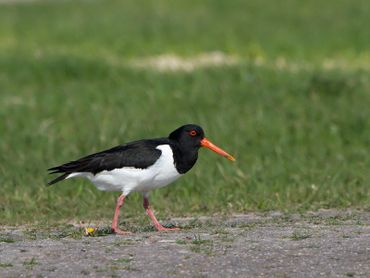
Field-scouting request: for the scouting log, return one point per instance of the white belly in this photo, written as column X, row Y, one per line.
column 129, row 179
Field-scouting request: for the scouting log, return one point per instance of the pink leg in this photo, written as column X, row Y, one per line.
column 115, row 228
column 158, row 226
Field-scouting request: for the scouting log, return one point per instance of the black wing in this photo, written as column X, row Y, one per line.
column 138, row 154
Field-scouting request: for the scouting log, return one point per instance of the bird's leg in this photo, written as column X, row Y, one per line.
column 115, row 227
column 158, row 226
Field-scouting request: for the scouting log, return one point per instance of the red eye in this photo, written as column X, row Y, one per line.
column 193, row 133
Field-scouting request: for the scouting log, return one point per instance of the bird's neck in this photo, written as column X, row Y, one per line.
column 184, row 159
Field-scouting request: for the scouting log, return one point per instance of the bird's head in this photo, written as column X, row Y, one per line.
column 191, row 136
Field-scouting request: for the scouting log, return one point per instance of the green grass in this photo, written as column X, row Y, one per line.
column 300, row 133
column 6, row 239
column 30, row 263
column 5, row 265
column 300, row 235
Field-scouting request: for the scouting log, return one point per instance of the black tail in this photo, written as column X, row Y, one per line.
column 58, row 170
column 68, row 168
column 91, row 163
column 60, row 178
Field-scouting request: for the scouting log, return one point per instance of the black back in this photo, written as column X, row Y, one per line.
column 138, row 154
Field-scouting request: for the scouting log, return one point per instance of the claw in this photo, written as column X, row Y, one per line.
column 161, row 228
column 118, row 231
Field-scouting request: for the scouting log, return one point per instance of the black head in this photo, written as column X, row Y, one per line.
column 188, row 135
column 186, row 141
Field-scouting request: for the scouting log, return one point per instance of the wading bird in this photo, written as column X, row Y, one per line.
column 140, row 166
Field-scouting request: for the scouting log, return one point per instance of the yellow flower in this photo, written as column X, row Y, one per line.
column 89, row 231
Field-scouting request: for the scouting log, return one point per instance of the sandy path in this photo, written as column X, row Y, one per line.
column 327, row 244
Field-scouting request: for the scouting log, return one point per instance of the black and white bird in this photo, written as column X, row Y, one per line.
column 140, row 166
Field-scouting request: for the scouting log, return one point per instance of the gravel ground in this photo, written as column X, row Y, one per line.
column 327, row 243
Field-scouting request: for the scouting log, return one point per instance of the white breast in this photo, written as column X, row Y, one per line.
column 129, row 179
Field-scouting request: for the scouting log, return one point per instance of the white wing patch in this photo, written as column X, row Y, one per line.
column 130, row 179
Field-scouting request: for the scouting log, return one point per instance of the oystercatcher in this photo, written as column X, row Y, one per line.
column 140, row 166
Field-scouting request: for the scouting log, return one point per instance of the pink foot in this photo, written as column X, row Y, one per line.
column 161, row 228
column 120, row 232
column 115, row 228
column 157, row 225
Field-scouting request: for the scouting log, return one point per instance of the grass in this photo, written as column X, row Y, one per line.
column 124, row 260
column 30, row 263
column 56, row 232
column 6, row 239
column 198, row 245
column 300, row 133
column 300, row 235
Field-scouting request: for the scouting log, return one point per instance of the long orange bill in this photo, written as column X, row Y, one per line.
column 208, row 144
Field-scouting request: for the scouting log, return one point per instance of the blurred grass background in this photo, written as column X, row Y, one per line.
column 294, row 109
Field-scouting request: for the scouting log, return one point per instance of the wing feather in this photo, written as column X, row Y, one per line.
column 138, row 154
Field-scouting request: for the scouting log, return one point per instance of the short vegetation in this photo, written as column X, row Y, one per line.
column 292, row 106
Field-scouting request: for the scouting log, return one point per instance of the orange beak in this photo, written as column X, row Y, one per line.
column 206, row 143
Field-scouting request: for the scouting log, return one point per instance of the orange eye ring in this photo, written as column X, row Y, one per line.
column 193, row 133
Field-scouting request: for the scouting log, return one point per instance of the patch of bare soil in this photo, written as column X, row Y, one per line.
column 327, row 243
